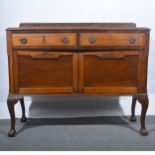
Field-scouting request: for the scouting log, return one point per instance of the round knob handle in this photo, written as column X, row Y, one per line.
column 65, row 40
column 132, row 40
column 92, row 39
column 23, row 40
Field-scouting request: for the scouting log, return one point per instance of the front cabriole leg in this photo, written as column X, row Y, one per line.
column 144, row 103
column 11, row 101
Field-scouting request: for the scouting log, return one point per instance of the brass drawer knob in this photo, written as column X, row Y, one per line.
column 23, row 40
column 92, row 39
column 132, row 40
column 65, row 40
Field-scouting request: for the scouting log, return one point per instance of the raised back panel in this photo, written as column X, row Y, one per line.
column 79, row 25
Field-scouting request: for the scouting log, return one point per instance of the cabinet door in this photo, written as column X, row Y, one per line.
column 118, row 72
column 38, row 72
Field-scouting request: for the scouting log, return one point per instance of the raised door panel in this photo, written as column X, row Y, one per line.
column 45, row 72
column 110, row 72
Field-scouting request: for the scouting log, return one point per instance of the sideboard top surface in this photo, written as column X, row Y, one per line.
column 77, row 26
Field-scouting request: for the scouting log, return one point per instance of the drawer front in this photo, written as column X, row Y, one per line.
column 45, row 72
column 45, row 39
column 110, row 72
column 111, row 39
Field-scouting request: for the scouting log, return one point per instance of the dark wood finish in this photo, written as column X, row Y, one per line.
column 143, row 100
column 78, row 25
column 44, row 39
column 100, row 72
column 133, row 118
column 23, row 119
column 144, row 103
column 72, row 58
column 11, row 101
column 111, row 39
column 38, row 72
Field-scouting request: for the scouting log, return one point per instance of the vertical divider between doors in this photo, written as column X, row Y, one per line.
column 78, row 71
column 75, row 72
column 81, row 72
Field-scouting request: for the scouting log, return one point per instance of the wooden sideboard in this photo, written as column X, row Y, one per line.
column 78, row 59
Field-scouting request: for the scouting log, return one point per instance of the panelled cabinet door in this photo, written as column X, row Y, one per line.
column 111, row 72
column 39, row 72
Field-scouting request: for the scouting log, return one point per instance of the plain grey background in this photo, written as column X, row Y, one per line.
column 12, row 12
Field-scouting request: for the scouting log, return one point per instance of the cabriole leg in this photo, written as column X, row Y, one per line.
column 144, row 103
column 23, row 119
column 133, row 118
column 11, row 103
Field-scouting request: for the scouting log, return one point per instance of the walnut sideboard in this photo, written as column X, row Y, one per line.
column 78, row 59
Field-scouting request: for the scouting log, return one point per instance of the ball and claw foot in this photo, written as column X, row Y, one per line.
column 143, row 132
column 132, row 119
column 12, row 133
column 23, row 119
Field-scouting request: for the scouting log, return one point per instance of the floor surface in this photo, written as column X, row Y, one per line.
column 78, row 134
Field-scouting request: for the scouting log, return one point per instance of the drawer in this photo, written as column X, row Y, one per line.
column 111, row 39
column 44, row 39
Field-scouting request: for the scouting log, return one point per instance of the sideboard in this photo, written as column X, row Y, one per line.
column 78, row 59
